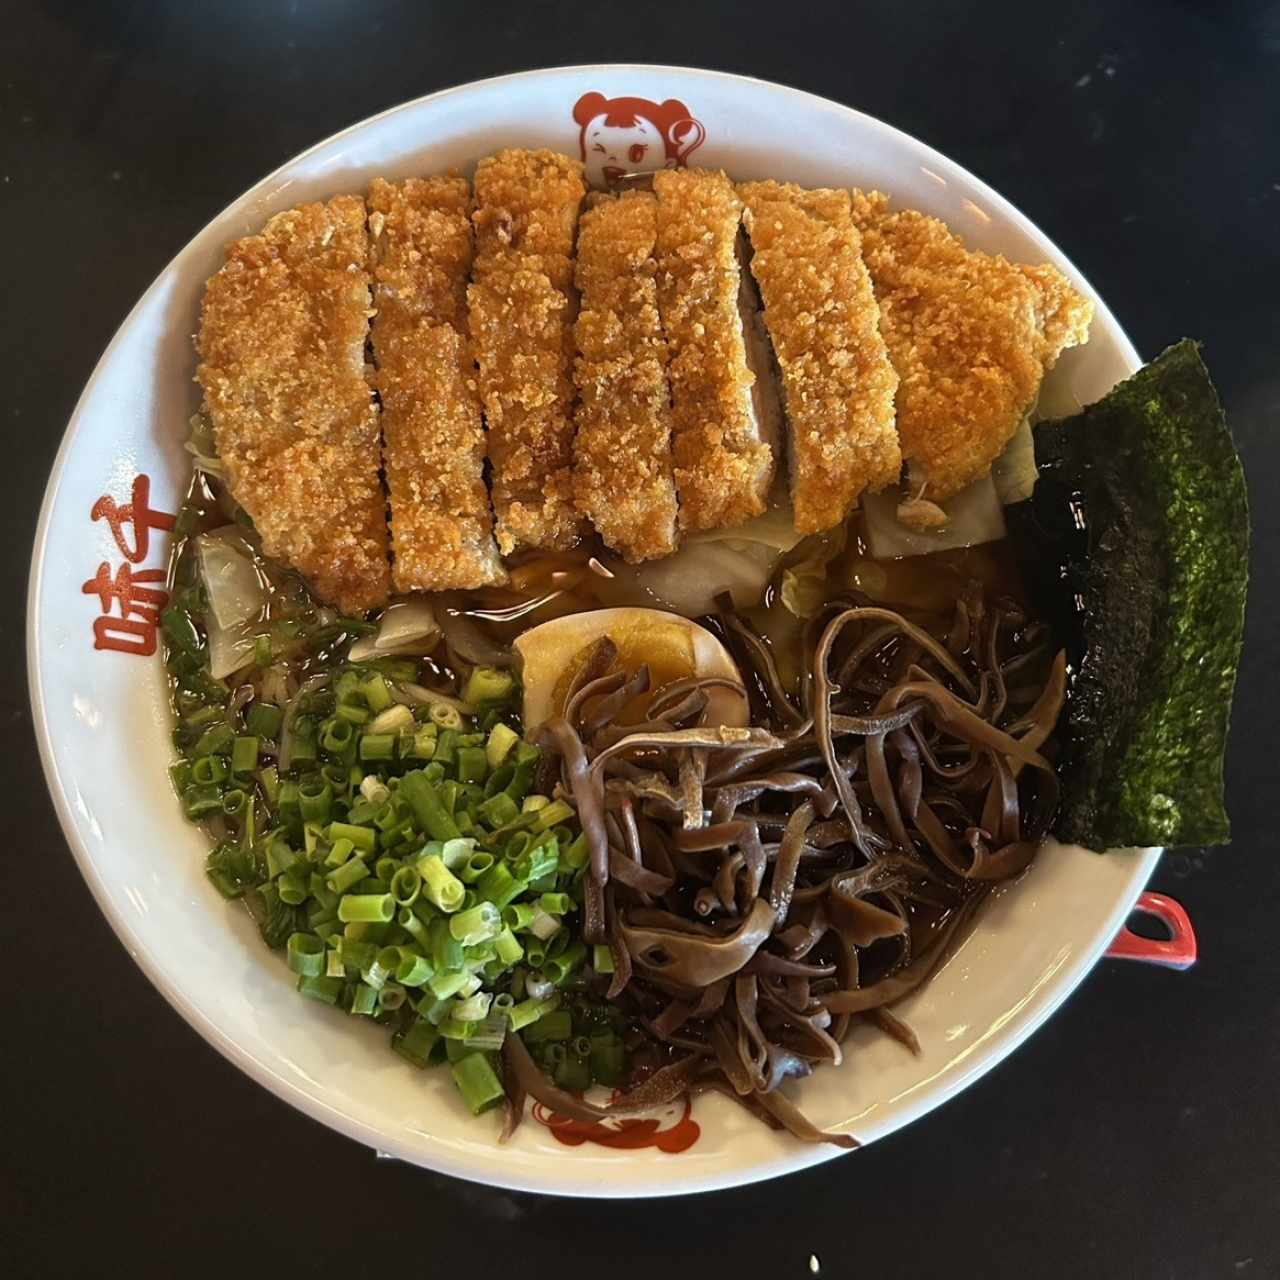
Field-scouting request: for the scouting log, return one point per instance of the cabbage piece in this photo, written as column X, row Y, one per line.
column 974, row 515
column 804, row 584
column 1014, row 471
column 236, row 591
column 237, row 598
column 740, row 560
column 408, row 628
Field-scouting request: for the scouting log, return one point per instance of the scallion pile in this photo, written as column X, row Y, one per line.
column 394, row 849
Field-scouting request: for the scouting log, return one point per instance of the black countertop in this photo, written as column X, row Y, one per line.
column 1135, row 1135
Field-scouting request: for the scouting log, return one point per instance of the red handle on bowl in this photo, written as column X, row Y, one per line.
column 1179, row 952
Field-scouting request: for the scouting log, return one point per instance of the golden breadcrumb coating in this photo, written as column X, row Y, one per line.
column 970, row 335
column 521, row 316
column 824, row 324
column 433, row 444
column 622, row 454
column 723, row 464
column 281, row 342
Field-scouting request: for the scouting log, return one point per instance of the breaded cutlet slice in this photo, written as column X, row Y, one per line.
column 282, row 365
column 521, row 312
column 822, row 318
column 722, row 442
column 622, row 453
column 433, row 443
column 970, row 335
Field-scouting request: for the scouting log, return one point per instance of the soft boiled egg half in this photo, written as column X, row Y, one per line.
column 674, row 648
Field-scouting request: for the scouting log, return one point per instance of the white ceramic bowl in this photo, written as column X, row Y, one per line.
column 102, row 718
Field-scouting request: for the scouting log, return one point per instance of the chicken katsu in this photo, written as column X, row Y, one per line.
column 433, row 443
column 725, row 412
column 622, row 455
column 971, row 336
column 282, row 366
column 822, row 318
column 551, row 365
column 522, row 309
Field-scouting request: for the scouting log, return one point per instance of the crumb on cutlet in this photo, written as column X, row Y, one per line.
column 723, row 467
column 823, row 321
column 970, row 335
column 527, row 202
column 282, row 366
column 433, row 437
column 521, row 308
column 623, row 477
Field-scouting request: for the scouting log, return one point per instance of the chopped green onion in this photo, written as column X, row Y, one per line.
column 406, row 884
column 304, row 954
column 414, row 970
column 427, row 808
column 479, row 1086
column 471, row 764
column 573, row 1073
column 346, row 875
column 376, row 693
column 443, row 985
column 487, row 684
column 446, row 950
column 562, row 967
column 209, row 769
column 501, row 739
column 395, row 719
column 340, row 851
column 263, row 719
column 479, row 924
column 508, row 948
column 554, row 1025
column 445, row 716
column 365, row 1001
column 326, row 990
column 358, row 955
column 346, row 714
column 391, row 997
column 416, row 1042
column 556, row 904
column 452, row 1029
column 378, row 746
column 550, row 815
column 457, row 853
column 294, row 887
column 499, row 810
column 314, row 801
column 529, row 1012
column 362, row 837
column 377, row 908
column 439, row 884
column 244, row 755
column 474, row 1008
column 531, row 804
column 543, row 925
column 489, row 1033
column 499, row 886
column 601, row 958
column 476, row 866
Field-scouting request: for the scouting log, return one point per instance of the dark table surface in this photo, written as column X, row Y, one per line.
column 1138, row 1134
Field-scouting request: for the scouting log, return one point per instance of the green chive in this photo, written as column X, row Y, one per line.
column 305, row 955
column 376, row 908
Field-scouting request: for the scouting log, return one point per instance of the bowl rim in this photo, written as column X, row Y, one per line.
column 1068, row 977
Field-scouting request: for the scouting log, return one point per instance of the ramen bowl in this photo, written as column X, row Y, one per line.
column 102, row 717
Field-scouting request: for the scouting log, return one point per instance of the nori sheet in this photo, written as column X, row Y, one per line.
column 1136, row 540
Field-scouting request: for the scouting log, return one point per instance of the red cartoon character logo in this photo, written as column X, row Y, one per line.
column 633, row 135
